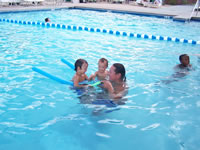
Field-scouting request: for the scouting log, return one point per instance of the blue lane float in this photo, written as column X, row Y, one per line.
column 59, row 80
column 105, row 31
column 106, row 102
column 68, row 63
column 72, row 67
column 52, row 77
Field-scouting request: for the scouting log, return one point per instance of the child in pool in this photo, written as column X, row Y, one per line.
column 182, row 69
column 81, row 66
column 47, row 20
column 184, row 62
column 102, row 73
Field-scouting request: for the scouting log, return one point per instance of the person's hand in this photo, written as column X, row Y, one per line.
column 92, row 77
column 107, row 85
column 198, row 55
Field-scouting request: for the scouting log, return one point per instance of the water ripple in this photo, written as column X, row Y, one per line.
column 17, row 133
column 58, row 119
column 151, row 127
column 198, row 103
column 131, row 126
column 102, row 135
column 13, row 124
column 32, row 106
column 178, row 124
column 151, row 109
column 1, row 111
column 111, row 121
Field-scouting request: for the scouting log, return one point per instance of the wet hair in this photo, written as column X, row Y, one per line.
column 46, row 19
column 119, row 68
column 102, row 60
column 181, row 56
column 79, row 63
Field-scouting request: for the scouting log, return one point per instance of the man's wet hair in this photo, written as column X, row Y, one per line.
column 119, row 68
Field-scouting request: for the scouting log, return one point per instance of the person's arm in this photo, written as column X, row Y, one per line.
column 76, row 82
column 198, row 55
column 86, row 77
column 118, row 95
column 107, row 85
column 115, row 96
column 93, row 76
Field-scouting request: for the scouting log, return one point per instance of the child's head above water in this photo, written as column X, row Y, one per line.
column 102, row 64
column 81, row 64
column 184, row 60
column 47, row 20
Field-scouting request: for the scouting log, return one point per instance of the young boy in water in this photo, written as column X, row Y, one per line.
column 182, row 69
column 184, row 62
column 102, row 73
column 47, row 20
column 81, row 66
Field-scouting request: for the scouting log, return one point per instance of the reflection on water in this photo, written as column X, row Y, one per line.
column 100, row 98
column 43, row 114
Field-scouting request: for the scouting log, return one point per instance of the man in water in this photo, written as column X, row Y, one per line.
column 116, row 85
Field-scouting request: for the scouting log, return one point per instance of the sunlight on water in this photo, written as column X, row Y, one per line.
column 159, row 111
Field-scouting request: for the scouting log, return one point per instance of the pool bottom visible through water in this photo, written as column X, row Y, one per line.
column 158, row 112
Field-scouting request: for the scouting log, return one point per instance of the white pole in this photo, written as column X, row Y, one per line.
column 196, row 6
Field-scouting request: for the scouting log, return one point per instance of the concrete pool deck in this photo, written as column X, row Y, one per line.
column 177, row 12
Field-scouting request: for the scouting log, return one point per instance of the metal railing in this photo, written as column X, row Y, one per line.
column 196, row 8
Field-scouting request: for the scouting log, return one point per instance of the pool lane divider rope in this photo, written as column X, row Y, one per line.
column 117, row 33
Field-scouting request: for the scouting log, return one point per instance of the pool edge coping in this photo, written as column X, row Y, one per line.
column 111, row 8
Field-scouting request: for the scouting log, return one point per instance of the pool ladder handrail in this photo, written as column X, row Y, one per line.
column 197, row 6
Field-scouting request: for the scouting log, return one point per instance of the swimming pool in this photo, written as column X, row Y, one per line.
column 38, row 113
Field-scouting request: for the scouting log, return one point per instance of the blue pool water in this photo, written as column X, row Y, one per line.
column 38, row 113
